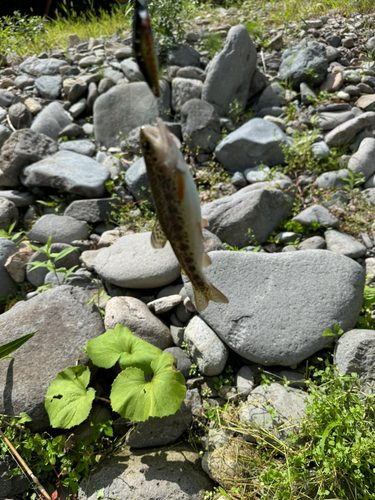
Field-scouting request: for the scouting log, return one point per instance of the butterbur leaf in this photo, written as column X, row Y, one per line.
column 120, row 344
column 7, row 349
column 137, row 400
column 68, row 401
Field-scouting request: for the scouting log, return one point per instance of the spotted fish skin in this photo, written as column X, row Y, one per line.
column 143, row 46
column 178, row 209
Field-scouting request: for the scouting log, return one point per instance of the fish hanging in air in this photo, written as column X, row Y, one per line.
column 178, row 209
column 143, row 46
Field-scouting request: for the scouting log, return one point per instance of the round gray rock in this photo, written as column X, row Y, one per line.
column 49, row 87
column 135, row 315
column 8, row 213
column 68, row 172
column 62, row 228
column 280, row 304
column 132, row 262
column 344, row 244
column 316, row 213
column 7, row 285
column 51, row 120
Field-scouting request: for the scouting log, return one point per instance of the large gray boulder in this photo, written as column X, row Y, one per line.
column 172, row 473
column 21, row 149
column 64, row 322
column 257, row 141
column 259, row 210
column 230, row 72
column 200, row 126
column 280, row 304
column 62, row 228
column 51, row 120
column 132, row 262
column 316, row 213
column 7, row 285
column 121, row 109
column 69, row 173
column 307, row 64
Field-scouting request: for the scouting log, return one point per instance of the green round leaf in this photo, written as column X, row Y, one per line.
column 68, row 401
column 120, row 344
column 134, row 398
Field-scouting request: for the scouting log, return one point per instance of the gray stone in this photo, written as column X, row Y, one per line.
column 121, row 109
column 316, row 213
column 20, row 116
column 49, row 87
column 91, row 211
column 7, row 285
column 88, row 61
column 355, row 353
column 82, row 147
column 175, row 473
column 259, row 323
column 8, row 213
column 10, row 487
column 132, row 71
column 183, row 361
column 135, row 315
column 257, row 141
column 329, row 120
column 345, row 133
column 165, row 100
column 137, row 181
column 92, row 95
column 65, row 322
column 238, row 180
column 88, row 258
column 6, row 98
column 205, row 348
column 366, row 102
column 51, row 120
column 20, row 199
column 351, row 76
column 344, row 244
column 123, row 53
column 63, row 229
column 78, row 107
column 332, row 53
column 37, row 276
column 183, row 90
column 177, row 334
column 76, row 91
column 370, row 183
column 23, row 81
column 105, row 84
column 332, row 179
column 244, row 380
column 269, row 98
column 362, row 162
column 22, row 148
column 72, row 131
column 230, row 72
column 164, row 304
column 5, row 133
column 276, row 408
column 69, row 172
column 132, row 262
column 369, row 196
column 308, row 64
column 191, row 72
column 36, row 67
column 260, row 210
column 200, row 125
column 320, row 150
column 312, row 243
column 257, row 174
column 183, row 55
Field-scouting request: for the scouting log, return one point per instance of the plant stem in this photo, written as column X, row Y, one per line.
column 103, row 399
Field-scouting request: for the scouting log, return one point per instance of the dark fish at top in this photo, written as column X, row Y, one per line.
column 143, row 46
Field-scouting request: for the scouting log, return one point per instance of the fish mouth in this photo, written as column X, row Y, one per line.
column 156, row 136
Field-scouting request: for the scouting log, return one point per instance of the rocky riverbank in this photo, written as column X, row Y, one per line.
column 297, row 197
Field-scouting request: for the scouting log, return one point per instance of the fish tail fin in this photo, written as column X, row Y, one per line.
column 209, row 292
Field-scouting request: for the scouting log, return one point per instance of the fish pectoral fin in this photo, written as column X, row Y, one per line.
column 158, row 238
column 183, row 271
column 204, row 223
column 206, row 261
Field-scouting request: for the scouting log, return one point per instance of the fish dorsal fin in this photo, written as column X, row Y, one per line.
column 206, row 261
column 158, row 238
column 204, row 223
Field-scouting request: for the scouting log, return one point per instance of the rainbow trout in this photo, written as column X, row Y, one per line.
column 178, row 210
column 143, row 46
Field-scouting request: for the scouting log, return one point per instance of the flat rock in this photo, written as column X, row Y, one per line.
column 366, row 102
column 19, row 198
column 132, row 262
column 21, row 149
column 91, row 211
column 312, row 243
column 344, row 244
column 316, row 213
column 63, row 229
column 135, row 315
column 329, row 120
column 121, row 109
column 36, row 67
column 205, row 347
column 65, row 322
column 259, row 323
column 345, row 133
column 355, row 353
column 81, row 146
column 68, row 172
column 51, row 120
column 171, row 473
column 260, row 210
column 230, row 72
column 332, row 179
column 362, row 162
column 7, row 285
column 257, row 141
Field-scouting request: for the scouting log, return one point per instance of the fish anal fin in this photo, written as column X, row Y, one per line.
column 180, row 185
column 158, row 238
column 206, row 261
column 203, row 295
column 204, row 223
